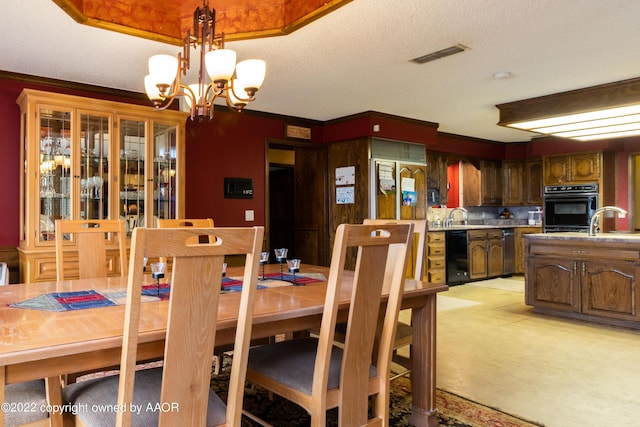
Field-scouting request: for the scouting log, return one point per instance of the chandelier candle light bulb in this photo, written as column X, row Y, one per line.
column 236, row 83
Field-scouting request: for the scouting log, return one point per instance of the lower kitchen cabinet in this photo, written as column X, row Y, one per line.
column 588, row 278
column 436, row 250
column 486, row 253
column 519, row 247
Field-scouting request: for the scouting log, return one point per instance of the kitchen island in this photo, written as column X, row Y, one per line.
column 593, row 278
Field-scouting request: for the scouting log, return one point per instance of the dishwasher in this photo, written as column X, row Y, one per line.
column 457, row 258
column 509, row 252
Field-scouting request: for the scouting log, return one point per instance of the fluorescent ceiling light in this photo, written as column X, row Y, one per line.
column 599, row 112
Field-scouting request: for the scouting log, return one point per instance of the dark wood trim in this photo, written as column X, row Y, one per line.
column 608, row 95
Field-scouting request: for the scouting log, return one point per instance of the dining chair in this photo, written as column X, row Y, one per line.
column 183, row 383
column 314, row 372
column 92, row 242
column 182, row 223
column 416, row 258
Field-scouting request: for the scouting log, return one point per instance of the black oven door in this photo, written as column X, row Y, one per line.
column 569, row 213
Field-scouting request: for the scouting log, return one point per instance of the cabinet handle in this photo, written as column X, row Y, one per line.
column 584, row 269
column 575, row 267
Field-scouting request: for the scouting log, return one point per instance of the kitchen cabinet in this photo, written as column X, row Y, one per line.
column 485, row 253
column 513, row 183
column 93, row 159
column 519, row 247
column 480, row 183
column 577, row 167
column 533, row 183
column 522, row 183
column 437, row 175
column 588, row 278
column 491, row 183
column 436, row 254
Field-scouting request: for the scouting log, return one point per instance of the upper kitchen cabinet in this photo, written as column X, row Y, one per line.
column 513, row 183
column 481, row 183
column 576, row 167
column 522, row 183
column 437, row 182
column 533, row 182
column 92, row 159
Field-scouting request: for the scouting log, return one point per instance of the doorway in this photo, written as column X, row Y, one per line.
column 296, row 203
column 281, row 207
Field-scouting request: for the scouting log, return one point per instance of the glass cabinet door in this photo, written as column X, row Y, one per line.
column 164, row 170
column 54, row 170
column 132, row 177
column 94, row 166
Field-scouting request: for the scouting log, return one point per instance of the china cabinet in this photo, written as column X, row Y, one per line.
column 93, row 159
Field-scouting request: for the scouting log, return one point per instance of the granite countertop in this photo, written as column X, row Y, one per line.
column 487, row 224
column 615, row 236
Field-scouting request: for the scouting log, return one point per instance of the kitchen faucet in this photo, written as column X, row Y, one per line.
column 449, row 221
column 594, row 219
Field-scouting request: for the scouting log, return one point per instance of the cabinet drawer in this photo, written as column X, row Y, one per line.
column 436, row 237
column 436, row 249
column 437, row 277
column 435, row 263
column 474, row 235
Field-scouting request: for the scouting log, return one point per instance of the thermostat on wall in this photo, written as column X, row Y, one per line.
column 238, row 188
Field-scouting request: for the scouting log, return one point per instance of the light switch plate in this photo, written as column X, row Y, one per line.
column 248, row 215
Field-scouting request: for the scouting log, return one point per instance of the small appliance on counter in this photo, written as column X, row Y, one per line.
column 535, row 217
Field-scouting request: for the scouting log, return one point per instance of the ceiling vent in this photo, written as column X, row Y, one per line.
column 440, row 54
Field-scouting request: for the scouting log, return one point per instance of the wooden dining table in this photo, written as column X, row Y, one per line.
column 38, row 344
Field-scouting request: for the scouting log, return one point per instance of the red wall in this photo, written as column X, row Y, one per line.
column 233, row 145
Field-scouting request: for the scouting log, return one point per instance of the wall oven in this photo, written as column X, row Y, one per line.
column 569, row 207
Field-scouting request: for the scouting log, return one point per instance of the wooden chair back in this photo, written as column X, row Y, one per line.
column 190, row 337
column 416, row 257
column 181, row 223
column 380, row 266
column 92, row 240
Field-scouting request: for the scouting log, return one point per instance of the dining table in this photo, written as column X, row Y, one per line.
column 37, row 343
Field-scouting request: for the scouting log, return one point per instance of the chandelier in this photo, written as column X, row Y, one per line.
column 236, row 83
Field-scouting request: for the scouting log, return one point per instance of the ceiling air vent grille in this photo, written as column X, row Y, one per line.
column 440, row 54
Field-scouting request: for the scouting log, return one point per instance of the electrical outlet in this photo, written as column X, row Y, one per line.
column 248, row 215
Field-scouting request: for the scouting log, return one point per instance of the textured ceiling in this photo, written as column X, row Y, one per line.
column 356, row 58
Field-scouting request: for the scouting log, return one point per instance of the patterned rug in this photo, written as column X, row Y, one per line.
column 453, row 410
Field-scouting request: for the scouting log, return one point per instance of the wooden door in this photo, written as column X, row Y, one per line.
column 553, row 283
column 586, row 167
column 513, row 183
column 477, row 254
column 556, row 170
column 533, row 182
column 610, row 289
column 495, row 253
column 417, row 175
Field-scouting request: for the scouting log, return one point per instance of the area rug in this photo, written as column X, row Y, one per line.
column 453, row 410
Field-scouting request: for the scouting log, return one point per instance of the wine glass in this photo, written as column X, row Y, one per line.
column 281, row 257
column 264, row 259
column 157, row 272
column 294, row 267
